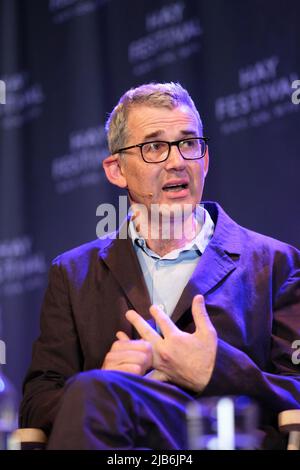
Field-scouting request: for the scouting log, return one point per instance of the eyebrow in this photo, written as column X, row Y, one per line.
column 156, row 134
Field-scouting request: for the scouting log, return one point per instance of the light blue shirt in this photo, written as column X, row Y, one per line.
column 166, row 276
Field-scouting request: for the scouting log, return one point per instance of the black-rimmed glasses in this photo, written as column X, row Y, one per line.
column 192, row 148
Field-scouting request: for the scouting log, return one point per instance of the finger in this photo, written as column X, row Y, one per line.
column 129, row 357
column 121, row 336
column 162, row 320
column 155, row 374
column 131, row 368
column 131, row 345
column 199, row 312
column 142, row 327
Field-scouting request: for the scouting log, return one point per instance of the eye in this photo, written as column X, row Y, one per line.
column 188, row 143
column 154, row 147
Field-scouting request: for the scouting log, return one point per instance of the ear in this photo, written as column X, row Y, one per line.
column 206, row 162
column 114, row 172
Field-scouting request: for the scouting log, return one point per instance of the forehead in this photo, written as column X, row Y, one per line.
column 145, row 120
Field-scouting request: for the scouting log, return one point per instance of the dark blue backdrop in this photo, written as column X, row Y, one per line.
column 65, row 63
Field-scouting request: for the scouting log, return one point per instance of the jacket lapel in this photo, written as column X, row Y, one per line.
column 122, row 261
column 219, row 259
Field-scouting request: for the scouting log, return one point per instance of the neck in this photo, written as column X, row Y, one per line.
column 165, row 234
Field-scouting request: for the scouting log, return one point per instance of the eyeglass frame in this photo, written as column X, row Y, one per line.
column 174, row 142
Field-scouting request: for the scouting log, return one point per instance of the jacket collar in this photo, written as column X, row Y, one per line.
column 219, row 259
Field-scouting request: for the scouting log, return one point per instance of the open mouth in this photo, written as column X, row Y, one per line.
column 175, row 187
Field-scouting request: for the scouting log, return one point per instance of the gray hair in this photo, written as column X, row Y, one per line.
column 167, row 95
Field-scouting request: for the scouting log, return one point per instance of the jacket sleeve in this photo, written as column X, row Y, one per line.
column 277, row 387
column 56, row 355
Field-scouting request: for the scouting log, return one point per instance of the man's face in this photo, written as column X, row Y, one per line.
column 146, row 182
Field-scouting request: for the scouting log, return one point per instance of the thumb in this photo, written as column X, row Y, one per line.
column 200, row 315
column 156, row 375
column 121, row 336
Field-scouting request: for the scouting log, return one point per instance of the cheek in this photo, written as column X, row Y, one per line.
column 148, row 174
column 198, row 176
column 132, row 173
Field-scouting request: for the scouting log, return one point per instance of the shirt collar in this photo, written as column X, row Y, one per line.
column 198, row 244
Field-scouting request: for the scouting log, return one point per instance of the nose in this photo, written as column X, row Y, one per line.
column 175, row 159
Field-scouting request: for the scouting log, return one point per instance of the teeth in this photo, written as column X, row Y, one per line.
column 176, row 187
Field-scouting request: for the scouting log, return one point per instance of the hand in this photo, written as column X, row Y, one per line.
column 183, row 358
column 126, row 355
column 156, row 375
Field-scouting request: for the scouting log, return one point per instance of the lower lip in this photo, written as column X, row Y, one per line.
column 177, row 194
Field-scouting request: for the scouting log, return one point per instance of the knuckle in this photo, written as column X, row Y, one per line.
column 115, row 346
column 110, row 359
column 144, row 359
column 212, row 334
column 164, row 355
column 147, row 347
column 108, row 356
column 136, row 369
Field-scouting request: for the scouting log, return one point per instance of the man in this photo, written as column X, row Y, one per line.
column 225, row 301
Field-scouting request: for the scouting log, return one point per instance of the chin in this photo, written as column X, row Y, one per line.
column 176, row 209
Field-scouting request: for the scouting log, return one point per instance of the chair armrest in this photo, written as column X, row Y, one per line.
column 289, row 422
column 30, row 438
